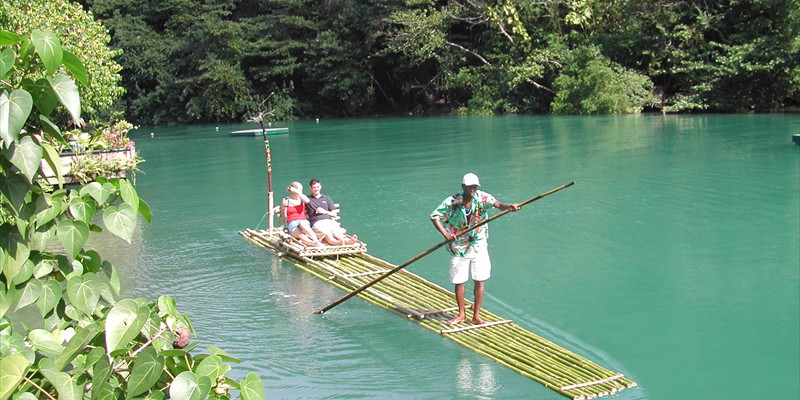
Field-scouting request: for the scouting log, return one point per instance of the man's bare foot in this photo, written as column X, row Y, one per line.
column 477, row 320
column 457, row 320
column 351, row 239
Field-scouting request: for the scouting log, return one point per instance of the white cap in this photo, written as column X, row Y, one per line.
column 471, row 179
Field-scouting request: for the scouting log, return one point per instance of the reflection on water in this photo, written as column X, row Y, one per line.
column 476, row 377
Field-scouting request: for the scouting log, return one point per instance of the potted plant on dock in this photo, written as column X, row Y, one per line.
column 103, row 151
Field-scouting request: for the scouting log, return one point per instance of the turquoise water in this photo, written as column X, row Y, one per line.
column 674, row 259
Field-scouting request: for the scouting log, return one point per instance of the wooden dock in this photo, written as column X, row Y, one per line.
column 431, row 306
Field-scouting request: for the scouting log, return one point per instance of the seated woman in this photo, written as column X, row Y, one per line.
column 293, row 209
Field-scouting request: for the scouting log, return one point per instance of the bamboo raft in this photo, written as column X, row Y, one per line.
column 430, row 306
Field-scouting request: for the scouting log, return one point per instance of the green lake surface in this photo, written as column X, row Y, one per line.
column 674, row 259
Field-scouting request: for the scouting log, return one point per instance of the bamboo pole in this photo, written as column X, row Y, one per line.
column 270, row 195
column 434, row 248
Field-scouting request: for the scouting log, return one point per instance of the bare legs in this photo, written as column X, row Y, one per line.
column 476, row 310
column 306, row 235
column 337, row 237
column 460, row 301
column 478, row 290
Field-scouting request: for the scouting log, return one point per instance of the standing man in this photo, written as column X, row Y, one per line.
column 470, row 253
column 322, row 214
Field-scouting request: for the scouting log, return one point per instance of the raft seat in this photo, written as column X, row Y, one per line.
column 301, row 249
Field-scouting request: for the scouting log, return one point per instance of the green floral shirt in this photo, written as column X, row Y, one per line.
column 455, row 217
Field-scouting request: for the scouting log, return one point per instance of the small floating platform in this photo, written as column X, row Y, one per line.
column 259, row 132
column 431, row 306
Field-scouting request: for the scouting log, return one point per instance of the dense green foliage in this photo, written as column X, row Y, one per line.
column 193, row 60
column 63, row 331
column 84, row 39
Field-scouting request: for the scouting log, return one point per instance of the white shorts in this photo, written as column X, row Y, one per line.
column 325, row 227
column 476, row 263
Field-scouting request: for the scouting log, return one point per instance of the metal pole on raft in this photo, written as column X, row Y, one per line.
column 432, row 249
column 270, row 199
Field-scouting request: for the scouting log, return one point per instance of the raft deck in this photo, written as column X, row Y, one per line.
column 430, row 306
column 259, row 132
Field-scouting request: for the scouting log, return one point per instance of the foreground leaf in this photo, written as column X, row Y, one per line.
column 7, row 58
column 212, row 367
column 252, row 387
column 185, row 387
column 123, row 324
column 83, row 292
column 76, row 345
column 66, row 384
column 147, row 368
column 14, row 111
column 27, row 156
column 76, row 68
column 12, row 369
column 45, row 342
column 121, row 221
column 67, row 94
column 49, row 49
column 51, row 294
column 73, row 235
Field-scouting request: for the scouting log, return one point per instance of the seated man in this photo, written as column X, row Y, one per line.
column 322, row 213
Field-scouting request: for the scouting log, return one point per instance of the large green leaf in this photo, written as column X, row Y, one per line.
column 101, row 371
column 51, row 294
column 66, row 384
column 14, row 112
column 45, row 342
column 42, row 269
column 25, row 272
column 51, row 128
column 128, row 193
column 15, row 251
column 77, row 343
column 121, row 221
column 252, row 387
column 123, row 324
column 6, row 300
column 82, row 208
column 42, row 236
column 185, row 387
column 27, row 156
column 7, row 38
column 97, row 191
column 147, row 368
column 29, row 293
column 76, row 68
column 7, row 58
column 83, row 292
column 46, row 209
column 144, row 209
column 14, row 187
column 54, row 161
column 73, row 235
column 49, row 48
column 12, row 370
column 212, row 367
column 67, row 94
column 45, row 100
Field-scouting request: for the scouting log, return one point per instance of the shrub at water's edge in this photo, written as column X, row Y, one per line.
column 63, row 331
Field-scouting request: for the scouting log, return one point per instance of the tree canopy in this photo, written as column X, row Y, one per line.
column 193, row 60
column 83, row 38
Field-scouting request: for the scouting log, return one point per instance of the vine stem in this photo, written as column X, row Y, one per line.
column 39, row 387
column 142, row 347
